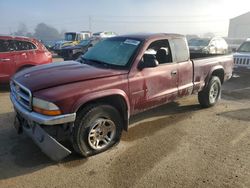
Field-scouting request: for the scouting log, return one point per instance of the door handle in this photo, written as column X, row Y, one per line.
column 5, row 59
column 173, row 73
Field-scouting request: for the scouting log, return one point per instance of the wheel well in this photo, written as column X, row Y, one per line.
column 116, row 101
column 220, row 74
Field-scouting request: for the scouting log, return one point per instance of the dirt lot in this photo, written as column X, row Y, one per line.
column 176, row 145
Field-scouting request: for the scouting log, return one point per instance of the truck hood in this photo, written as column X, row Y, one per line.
column 55, row 74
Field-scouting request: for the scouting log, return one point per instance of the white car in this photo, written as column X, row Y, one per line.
column 215, row 45
column 242, row 56
column 104, row 34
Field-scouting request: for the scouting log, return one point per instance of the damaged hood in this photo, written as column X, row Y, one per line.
column 55, row 74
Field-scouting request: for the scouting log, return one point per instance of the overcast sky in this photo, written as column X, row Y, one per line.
column 123, row 16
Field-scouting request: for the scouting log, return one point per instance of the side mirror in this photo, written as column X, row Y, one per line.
column 148, row 61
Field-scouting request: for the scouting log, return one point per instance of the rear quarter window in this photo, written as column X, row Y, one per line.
column 24, row 45
column 180, row 50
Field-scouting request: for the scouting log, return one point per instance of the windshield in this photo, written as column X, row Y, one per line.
column 70, row 36
column 113, row 51
column 245, row 47
column 198, row 42
column 84, row 42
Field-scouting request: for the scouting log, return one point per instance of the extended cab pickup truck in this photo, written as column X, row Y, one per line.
column 90, row 101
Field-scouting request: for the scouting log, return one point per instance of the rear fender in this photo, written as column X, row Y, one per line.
column 215, row 68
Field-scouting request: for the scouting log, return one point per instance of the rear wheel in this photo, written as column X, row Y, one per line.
column 210, row 95
column 97, row 128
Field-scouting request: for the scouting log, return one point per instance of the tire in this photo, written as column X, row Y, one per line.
column 211, row 93
column 97, row 128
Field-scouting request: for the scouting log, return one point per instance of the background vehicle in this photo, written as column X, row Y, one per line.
column 17, row 53
column 71, row 39
column 104, row 34
column 216, row 45
column 73, row 52
column 242, row 57
column 234, row 43
column 91, row 101
column 49, row 44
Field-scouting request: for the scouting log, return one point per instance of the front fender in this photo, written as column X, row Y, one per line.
column 98, row 95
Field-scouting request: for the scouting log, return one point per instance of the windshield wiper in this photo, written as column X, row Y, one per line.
column 81, row 59
column 98, row 62
column 84, row 60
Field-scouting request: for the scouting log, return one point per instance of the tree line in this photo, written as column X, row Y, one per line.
column 42, row 32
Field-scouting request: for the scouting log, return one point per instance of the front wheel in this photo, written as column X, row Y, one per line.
column 97, row 128
column 211, row 93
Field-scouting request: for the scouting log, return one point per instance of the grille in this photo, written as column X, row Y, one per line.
column 242, row 61
column 21, row 94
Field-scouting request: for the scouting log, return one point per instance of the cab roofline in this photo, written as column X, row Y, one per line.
column 148, row 36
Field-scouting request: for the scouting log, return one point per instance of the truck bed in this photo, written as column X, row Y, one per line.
column 203, row 55
column 203, row 65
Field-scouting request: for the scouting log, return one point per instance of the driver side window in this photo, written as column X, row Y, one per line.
column 160, row 50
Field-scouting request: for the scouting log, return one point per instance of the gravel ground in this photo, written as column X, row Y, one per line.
column 176, row 145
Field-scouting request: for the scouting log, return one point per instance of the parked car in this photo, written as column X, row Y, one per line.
column 90, row 101
column 104, row 34
column 234, row 43
column 49, row 44
column 18, row 53
column 216, row 45
column 75, row 51
column 242, row 57
column 71, row 39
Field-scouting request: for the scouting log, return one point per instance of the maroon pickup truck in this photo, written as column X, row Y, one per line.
column 90, row 101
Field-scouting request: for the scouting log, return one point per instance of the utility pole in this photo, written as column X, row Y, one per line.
column 90, row 23
column 10, row 31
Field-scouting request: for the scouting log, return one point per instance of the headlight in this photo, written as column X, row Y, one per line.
column 45, row 107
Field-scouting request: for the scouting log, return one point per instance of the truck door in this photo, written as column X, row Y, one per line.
column 7, row 64
column 185, row 66
column 157, row 85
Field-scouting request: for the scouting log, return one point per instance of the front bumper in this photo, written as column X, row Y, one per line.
column 42, row 119
column 30, row 123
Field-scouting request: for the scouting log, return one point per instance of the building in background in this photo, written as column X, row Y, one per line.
column 239, row 27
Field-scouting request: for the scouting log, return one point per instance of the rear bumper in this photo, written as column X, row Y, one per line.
column 30, row 123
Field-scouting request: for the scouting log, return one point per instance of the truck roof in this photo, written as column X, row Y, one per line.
column 148, row 36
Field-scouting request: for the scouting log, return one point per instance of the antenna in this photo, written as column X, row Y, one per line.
column 90, row 23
